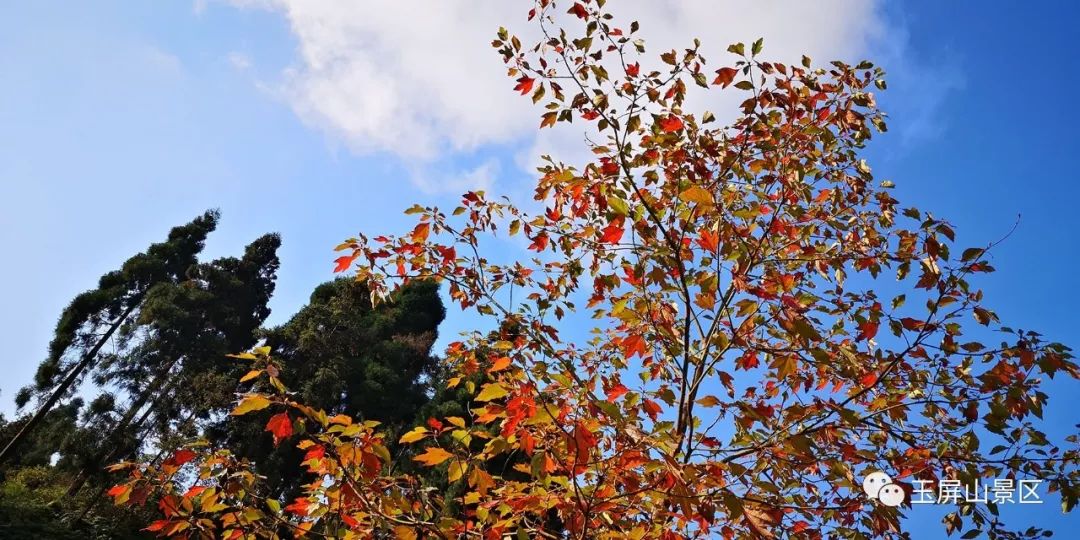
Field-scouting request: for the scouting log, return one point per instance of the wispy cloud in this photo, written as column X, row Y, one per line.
column 239, row 60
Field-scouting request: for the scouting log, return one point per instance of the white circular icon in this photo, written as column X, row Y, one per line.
column 891, row 495
column 873, row 483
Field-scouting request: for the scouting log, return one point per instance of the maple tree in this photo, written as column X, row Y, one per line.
column 768, row 325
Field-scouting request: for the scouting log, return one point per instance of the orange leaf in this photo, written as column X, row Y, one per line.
column 157, row 525
column 709, row 240
column 421, row 232
column 500, row 364
column 671, row 123
column 724, row 76
column 299, row 506
column 433, row 456
column 120, row 493
column 343, row 263
column 549, row 119
column 281, row 426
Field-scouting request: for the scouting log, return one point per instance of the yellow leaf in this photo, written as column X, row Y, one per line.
column 708, row 401
column 491, row 391
column 416, row 434
column 251, row 375
column 457, row 470
column 341, row 419
column 404, row 532
column 697, row 194
column 253, row 402
column 262, row 351
column 543, row 416
column 453, row 382
column 433, row 456
column 456, row 420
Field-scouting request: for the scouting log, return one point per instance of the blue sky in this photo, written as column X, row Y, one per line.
column 318, row 120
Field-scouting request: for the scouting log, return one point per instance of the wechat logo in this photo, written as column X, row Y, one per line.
column 880, row 486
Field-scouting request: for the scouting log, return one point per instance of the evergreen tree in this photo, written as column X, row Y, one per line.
column 93, row 317
column 186, row 331
column 371, row 363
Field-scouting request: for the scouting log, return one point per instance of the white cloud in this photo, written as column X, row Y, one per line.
column 432, row 180
column 239, row 60
column 421, row 81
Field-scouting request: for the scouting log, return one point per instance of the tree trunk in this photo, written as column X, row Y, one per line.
column 101, row 491
column 73, row 375
column 109, row 447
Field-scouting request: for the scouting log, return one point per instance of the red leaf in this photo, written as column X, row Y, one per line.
column 524, row 85
column 617, row 391
column 612, row 233
column 633, row 345
column 157, row 525
column 671, row 123
column 280, row 425
column 116, row 490
column 316, row 452
column 651, row 407
column 578, row 10
column 725, row 76
column 181, row 457
column 868, row 329
column 343, row 263
column 799, row 526
column 748, row 360
column 633, row 69
column 539, row 242
column 869, row 379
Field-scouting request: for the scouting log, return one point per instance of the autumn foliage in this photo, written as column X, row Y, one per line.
column 766, row 324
